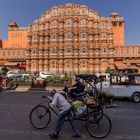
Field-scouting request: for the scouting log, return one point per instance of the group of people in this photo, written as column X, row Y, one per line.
column 58, row 100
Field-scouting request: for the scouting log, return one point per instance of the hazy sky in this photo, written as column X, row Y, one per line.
column 25, row 12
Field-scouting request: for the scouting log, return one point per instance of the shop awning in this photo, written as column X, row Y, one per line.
column 121, row 66
column 11, row 64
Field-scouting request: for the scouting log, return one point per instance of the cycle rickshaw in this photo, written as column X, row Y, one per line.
column 97, row 123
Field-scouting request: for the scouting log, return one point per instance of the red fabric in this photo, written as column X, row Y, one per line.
column 1, row 78
column 22, row 66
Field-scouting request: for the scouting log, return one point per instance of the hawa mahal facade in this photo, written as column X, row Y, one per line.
column 69, row 38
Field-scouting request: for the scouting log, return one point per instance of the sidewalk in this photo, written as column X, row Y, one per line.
column 29, row 88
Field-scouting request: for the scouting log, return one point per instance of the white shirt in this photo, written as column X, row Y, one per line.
column 60, row 102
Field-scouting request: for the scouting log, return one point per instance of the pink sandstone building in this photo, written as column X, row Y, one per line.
column 69, row 38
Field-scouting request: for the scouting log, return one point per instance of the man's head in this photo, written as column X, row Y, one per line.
column 52, row 92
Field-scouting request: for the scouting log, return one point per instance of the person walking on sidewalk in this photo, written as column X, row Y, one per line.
column 58, row 100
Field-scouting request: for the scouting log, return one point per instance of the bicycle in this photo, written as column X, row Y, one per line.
column 98, row 124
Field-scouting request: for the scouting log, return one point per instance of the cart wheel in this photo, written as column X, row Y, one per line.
column 40, row 117
column 98, row 127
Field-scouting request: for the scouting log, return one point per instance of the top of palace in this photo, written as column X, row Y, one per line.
column 70, row 9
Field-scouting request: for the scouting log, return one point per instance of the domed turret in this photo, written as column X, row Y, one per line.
column 114, row 14
column 12, row 25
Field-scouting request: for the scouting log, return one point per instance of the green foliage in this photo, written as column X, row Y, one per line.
column 30, row 73
column 58, row 80
column 4, row 69
column 109, row 70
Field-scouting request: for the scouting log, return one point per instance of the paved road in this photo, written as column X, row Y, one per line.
column 15, row 125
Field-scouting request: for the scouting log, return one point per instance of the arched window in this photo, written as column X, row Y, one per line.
column 83, row 36
column 83, row 50
column 95, row 25
column 53, row 64
column 110, row 37
column 103, row 24
column 96, row 37
column 68, row 50
column 104, row 49
column 103, row 36
column 53, row 50
column 54, row 23
column 83, row 22
column 47, row 25
column 34, row 51
column 69, row 36
column 42, row 27
column 68, row 22
column 54, row 36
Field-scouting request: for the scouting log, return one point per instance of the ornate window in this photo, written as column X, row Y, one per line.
column 34, row 51
column 109, row 25
column 83, row 50
column 110, row 37
column 68, row 22
column 42, row 19
column 96, row 37
column 54, row 12
column 68, row 50
column 83, row 36
column 103, row 24
column 53, row 64
column 46, row 38
column 53, row 50
column 42, row 27
column 75, row 24
column 82, row 11
column 54, row 23
column 103, row 49
column 53, row 36
column 41, row 38
column 95, row 25
column 83, row 22
column 35, row 38
column 68, row 36
column 103, row 36
column 68, row 12
column 47, row 25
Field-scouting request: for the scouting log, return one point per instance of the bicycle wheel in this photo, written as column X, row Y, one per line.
column 40, row 117
column 98, row 125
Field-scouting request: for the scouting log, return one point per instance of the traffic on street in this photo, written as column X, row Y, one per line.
column 15, row 108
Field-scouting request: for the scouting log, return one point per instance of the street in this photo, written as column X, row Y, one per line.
column 15, row 107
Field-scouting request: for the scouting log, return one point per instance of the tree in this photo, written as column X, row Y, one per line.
column 4, row 69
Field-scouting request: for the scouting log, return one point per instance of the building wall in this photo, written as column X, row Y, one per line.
column 13, row 51
column 17, row 38
column 70, row 38
column 118, row 29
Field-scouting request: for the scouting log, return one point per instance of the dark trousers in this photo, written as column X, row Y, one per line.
column 61, row 120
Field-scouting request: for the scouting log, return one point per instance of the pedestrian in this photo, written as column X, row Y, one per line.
column 1, row 79
column 58, row 100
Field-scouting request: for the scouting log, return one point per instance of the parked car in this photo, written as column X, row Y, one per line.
column 12, row 74
column 26, row 75
column 45, row 74
column 123, row 85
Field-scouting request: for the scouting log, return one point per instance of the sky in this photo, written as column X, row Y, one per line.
column 25, row 12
